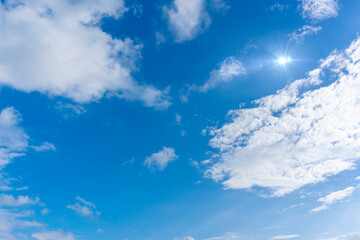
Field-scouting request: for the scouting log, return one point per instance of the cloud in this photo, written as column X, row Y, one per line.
column 84, row 208
column 11, row 201
column 294, row 137
column 350, row 236
column 161, row 159
column 333, row 198
column 285, row 237
column 226, row 71
column 58, row 48
column 299, row 34
column 319, row 9
column 278, row 6
column 186, row 18
column 46, row 146
column 226, row 236
column 53, row 235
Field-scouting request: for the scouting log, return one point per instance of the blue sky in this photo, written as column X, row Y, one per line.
column 179, row 119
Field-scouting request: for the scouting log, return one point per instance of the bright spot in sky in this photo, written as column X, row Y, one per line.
column 284, row 60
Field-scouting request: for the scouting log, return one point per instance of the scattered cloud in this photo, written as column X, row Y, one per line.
column 161, row 159
column 69, row 109
column 59, row 49
column 178, row 119
column 84, row 208
column 11, row 201
column 319, row 9
column 220, row 5
column 300, row 34
column 53, row 235
column 333, row 198
column 296, row 136
column 186, row 18
column 46, row 146
column 285, row 237
column 227, row 71
column 279, row 6
column 45, row 211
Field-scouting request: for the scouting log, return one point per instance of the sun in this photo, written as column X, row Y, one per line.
column 284, row 60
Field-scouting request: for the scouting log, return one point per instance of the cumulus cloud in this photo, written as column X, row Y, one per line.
column 59, row 49
column 161, row 159
column 11, row 201
column 186, row 18
column 319, row 9
column 300, row 34
column 285, row 236
column 333, row 198
column 296, row 136
column 84, row 208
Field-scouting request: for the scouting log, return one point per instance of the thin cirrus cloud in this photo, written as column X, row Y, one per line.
column 319, row 9
column 332, row 198
column 53, row 235
column 161, row 159
column 59, row 49
column 285, row 237
column 186, row 18
column 294, row 137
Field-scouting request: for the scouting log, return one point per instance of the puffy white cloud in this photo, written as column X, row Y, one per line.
column 333, row 198
column 319, row 9
column 299, row 34
column 285, row 236
column 186, row 18
column 84, row 208
column 11, row 201
column 58, row 48
column 161, row 159
column 294, row 137
column 53, row 235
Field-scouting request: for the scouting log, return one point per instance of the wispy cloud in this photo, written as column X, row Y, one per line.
column 300, row 34
column 226, row 71
column 84, row 208
column 285, row 237
column 161, row 159
column 294, row 137
column 333, row 198
column 319, row 9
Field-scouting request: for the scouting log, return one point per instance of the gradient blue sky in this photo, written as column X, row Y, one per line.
column 175, row 120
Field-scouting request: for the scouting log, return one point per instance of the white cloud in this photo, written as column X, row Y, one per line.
column 319, row 9
column 46, row 146
column 84, row 208
column 58, row 48
column 45, row 211
column 161, row 159
column 226, row 236
column 53, row 235
column 186, row 18
column 333, row 198
column 299, row 34
column 11, row 201
column 285, row 236
column 227, row 70
column 350, row 236
column 294, row 137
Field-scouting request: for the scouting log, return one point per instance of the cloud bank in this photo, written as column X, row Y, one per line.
column 294, row 137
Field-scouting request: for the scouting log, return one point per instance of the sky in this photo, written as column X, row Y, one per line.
column 179, row 119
